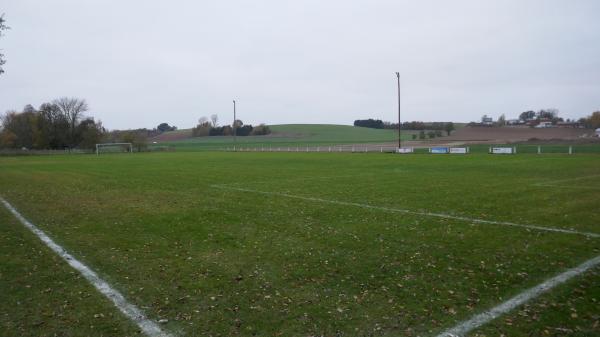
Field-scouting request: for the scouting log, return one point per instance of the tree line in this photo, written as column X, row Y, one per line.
column 448, row 127
column 211, row 127
column 525, row 117
column 592, row 121
column 532, row 117
column 550, row 114
column 58, row 124
column 62, row 124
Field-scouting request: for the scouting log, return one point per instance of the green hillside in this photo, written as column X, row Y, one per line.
column 284, row 135
column 333, row 133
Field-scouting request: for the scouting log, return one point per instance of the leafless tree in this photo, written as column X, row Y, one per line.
column 73, row 110
column 2, row 27
column 214, row 119
column 202, row 120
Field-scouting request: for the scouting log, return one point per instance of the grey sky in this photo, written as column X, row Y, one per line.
column 139, row 63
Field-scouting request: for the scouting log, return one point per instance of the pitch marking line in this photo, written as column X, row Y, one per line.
column 570, row 179
column 558, row 183
column 149, row 327
column 399, row 210
column 487, row 316
column 572, row 187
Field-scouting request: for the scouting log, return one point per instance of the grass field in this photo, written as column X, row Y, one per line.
column 301, row 244
column 290, row 135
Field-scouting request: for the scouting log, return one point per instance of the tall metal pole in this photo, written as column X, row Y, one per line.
column 399, row 121
column 234, row 127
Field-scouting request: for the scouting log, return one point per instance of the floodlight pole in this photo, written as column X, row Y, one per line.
column 399, row 122
column 234, row 127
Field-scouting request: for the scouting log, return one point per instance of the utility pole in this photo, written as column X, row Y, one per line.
column 234, row 127
column 399, row 122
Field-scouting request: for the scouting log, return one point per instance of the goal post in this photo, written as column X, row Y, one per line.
column 114, row 147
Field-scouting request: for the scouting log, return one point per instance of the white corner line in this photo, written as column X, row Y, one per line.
column 148, row 327
column 485, row 317
column 427, row 214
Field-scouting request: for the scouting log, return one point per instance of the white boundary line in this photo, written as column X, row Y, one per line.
column 571, row 187
column 148, row 327
column 569, row 179
column 478, row 320
column 399, row 210
column 558, row 183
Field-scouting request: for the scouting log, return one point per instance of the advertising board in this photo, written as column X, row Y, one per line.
column 438, row 150
column 459, row 150
column 502, row 150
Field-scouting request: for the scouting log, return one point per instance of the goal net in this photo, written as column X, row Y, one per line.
column 114, row 148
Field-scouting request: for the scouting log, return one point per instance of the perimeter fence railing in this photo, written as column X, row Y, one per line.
column 23, row 152
column 516, row 149
column 27, row 152
column 471, row 149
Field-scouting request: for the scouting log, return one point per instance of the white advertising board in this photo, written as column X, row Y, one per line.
column 459, row 150
column 502, row 150
column 404, row 150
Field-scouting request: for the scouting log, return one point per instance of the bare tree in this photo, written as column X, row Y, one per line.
column 72, row 109
column 214, row 119
column 202, row 120
column 2, row 27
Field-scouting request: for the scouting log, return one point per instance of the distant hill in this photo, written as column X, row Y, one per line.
column 333, row 133
column 285, row 135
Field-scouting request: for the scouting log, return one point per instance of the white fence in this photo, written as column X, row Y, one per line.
column 333, row 148
column 20, row 152
column 514, row 149
column 345, row 148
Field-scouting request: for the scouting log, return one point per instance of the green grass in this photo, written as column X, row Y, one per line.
column 220, row 261
column 293, row 135
column 569, row 310
column 337, row 133
column 43, row 296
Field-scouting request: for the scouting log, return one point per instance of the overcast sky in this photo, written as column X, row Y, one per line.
column 139, row 63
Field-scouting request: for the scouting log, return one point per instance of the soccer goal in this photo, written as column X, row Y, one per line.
column 114, row 148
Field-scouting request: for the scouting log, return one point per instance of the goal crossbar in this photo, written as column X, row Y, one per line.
column 98, row 146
